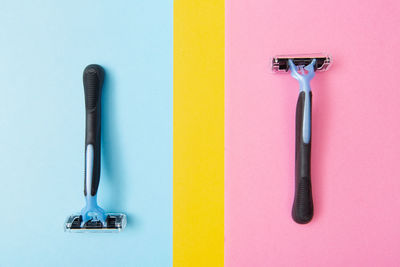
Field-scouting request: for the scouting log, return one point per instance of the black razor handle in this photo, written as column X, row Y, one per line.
column 93, row 77
column 303, row 208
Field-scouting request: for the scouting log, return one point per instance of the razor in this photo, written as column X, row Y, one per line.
column 302, row 68
column 92, row 218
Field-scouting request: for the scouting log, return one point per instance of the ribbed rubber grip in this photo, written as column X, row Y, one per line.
column 93, row 77
column 303, row 207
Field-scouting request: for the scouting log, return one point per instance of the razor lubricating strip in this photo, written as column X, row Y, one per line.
column 303, row 69
column 93, row 218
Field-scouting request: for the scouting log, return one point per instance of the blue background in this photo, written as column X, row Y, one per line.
column 45, row 46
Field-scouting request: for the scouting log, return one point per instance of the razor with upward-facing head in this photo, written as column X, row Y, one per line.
column 92, row 218
column 302, row 68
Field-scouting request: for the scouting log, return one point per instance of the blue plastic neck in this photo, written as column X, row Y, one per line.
column 304, row 82
column 91, row 211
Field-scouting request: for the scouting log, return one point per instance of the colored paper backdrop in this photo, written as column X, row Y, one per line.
column 356, row 129
column 45, row 46
column 198, row 133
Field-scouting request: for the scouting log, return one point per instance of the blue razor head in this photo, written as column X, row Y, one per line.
column 280, row 63
column 115, row 222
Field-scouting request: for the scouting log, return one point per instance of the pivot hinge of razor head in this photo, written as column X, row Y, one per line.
column 303, row 77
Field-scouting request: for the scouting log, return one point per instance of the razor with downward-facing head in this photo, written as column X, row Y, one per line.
column 93, row 218
column 302, row 68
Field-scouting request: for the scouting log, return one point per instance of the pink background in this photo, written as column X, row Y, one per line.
column 356, row 134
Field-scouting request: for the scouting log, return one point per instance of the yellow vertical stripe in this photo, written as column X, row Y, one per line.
column 198, row 208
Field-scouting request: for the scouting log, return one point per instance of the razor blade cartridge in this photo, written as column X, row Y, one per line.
column 280, row 63
column 115, row 222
